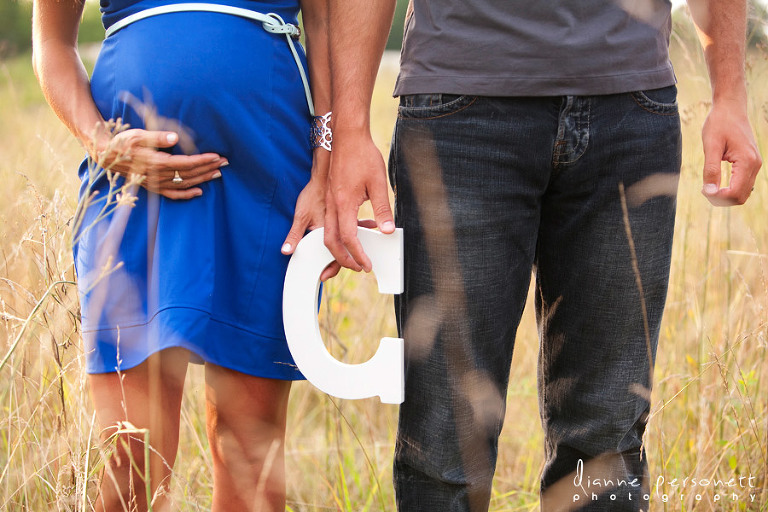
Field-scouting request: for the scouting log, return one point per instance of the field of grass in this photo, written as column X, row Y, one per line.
column 710, row 404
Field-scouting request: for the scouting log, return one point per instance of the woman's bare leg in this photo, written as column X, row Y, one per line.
column 147, row 396
column 246, row 429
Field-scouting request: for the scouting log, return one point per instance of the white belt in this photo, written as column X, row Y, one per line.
column 271, row 22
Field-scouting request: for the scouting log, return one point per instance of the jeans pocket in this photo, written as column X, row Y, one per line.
column 661, row 101
column 430, row 106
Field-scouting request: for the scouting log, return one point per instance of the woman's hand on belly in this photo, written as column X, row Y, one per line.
column 137, row 152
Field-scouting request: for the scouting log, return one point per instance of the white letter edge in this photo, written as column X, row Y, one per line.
column 383, row 374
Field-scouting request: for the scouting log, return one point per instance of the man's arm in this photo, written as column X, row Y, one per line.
column 358, row 34
column 727, row 134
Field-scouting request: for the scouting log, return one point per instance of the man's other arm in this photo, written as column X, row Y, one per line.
column 727, row 134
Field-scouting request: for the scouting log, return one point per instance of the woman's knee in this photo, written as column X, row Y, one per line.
column 134, row 471
column 243, row 439
column 246, row 418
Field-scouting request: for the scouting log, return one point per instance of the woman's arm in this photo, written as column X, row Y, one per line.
column 59, row 69
column 310, row 207
column 315, row 20
column 66, row 87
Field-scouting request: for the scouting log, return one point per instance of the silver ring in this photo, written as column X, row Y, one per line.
column 177, row 177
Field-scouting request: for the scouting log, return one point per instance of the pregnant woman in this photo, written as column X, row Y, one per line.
column 178, row 247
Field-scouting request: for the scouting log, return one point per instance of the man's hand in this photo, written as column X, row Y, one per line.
column 357, row 169
column 727, row 137
column 357, row 174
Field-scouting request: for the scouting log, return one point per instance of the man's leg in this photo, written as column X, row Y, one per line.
column 467, row 180
column 602, row 269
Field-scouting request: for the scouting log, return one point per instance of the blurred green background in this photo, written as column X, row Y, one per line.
column 15, row 26
column 16, row 30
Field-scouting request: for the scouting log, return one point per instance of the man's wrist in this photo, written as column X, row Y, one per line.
column 730, row 96
column 732, row 101
column 356, row 132
column 351, row 117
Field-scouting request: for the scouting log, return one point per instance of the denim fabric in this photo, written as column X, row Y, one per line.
column 488, row 189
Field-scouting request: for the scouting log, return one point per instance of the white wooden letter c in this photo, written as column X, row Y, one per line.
column 383, row 374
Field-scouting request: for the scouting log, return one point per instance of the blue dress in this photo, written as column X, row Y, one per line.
column 205, row 274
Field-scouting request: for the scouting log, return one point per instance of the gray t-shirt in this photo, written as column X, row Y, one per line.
column 535, row 47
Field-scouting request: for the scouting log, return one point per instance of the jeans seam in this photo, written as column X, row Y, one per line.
column 392, row 168
column 673, row 110
column 400, row 116
column 561, row 143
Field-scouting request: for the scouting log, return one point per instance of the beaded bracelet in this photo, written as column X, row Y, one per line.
column 320, row 132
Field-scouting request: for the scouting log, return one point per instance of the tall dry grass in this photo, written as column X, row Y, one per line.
column 710, row 404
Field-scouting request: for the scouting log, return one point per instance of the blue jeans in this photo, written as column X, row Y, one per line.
column 582, row 191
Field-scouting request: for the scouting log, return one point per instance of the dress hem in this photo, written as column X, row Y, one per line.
column 205, row 337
